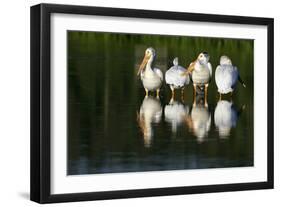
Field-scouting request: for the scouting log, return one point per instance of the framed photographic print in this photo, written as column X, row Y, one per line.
column 132, row 103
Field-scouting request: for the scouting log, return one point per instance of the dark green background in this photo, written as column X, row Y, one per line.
column 104, row 95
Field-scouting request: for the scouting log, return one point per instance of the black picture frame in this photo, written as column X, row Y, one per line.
column 41, row 96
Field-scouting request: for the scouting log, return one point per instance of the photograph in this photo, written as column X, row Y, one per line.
column 154, row 102
column 129, row 103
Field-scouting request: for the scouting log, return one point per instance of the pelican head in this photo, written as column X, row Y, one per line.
column 203, row 58
column 148, row 57
column 176, row 61
column 224, row 60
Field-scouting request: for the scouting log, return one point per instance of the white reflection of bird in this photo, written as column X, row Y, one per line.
column 199, row 121
column 174, row 77
column 226, row 117
column 151, row 77
column 150, row 112
column 175, row 113
column 226, row 76
column 201, row 73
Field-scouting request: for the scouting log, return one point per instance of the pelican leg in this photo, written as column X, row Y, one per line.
column 146, row 93
column 220, row 97
column 173, row 91
column 171, row 101
column 206, row 94
column 194, row 94
column 157, row 93
column 182, row 94
column 138, row 116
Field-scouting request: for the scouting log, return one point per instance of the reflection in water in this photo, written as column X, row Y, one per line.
column 175, row 113
column 150, row 112
column 199, row 120
column 226, row 117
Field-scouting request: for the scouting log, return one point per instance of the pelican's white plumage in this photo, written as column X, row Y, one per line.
column 151, row 77
column 175, row 113
column 225, row 117
column 201, row 74
column 201, row 69
column 150, row 112
column 174, row 76
column 226, row 76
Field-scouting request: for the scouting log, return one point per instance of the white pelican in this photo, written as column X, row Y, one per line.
column 150, row 112
column 201, row 73
column 199, row 121
column 226, row 76
column 175, row 114
column 175, row 79
column 151, row 77
column 226, row 117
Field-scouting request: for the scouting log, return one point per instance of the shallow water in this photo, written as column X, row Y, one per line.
column 112, row 127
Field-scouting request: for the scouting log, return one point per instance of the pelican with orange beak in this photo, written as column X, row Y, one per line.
column 201, row 73
column 151, row 77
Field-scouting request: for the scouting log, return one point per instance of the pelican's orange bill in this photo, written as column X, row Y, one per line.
column 144, row 61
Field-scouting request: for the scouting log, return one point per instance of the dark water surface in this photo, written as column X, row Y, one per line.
column 108, row 133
